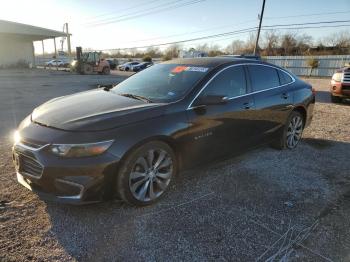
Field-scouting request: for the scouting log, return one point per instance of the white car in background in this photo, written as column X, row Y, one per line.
column 128, row 66
column 55, row 62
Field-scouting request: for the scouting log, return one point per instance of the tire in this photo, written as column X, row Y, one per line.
column 87, row 69
column 126, row 69
column 106, row 71
column 148, row 168
column 294, row 128
column 336, row 99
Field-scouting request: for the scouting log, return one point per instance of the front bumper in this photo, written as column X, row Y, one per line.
column 73, row 181
column 340, row 89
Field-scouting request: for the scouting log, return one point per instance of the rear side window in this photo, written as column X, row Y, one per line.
column 284, row 77
column 231, row 82
column 263, row 77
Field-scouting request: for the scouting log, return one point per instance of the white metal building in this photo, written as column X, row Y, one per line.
column 16, row 42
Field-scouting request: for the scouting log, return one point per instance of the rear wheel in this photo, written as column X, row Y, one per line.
column 292, row 132
column 146, row 173
column 106, row 71
column 336, row 99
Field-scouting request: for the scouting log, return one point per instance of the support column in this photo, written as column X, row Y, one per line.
column 42, row 44
column 54, row 42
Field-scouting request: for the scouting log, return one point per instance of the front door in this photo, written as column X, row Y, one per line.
column 223, row 128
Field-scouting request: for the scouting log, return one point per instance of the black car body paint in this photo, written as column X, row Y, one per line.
column 197, row 133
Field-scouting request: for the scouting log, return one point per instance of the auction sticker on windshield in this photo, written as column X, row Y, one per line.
column 180, row 69
column 197, row 69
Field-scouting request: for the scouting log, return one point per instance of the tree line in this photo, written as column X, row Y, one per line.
column 272, row 43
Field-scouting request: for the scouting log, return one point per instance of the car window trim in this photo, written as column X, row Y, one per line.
column 254, row 92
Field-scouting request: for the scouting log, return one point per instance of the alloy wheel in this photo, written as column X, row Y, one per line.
column 294, row 132
column 151, row 175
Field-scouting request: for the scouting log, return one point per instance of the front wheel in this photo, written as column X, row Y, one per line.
column 292, row 132
column 146, row 173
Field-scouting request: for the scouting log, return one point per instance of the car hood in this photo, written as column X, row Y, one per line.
column 94, row 110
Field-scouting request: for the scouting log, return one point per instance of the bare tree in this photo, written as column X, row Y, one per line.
column 235, row 47
column 271, row 41
column 172, row 51
column 203, row 47
column 153, row 52
column 250, row 44
column 343, row 40
column 288, row 43
column 304, row 43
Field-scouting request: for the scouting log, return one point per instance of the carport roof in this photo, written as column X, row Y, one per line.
column 34, row 33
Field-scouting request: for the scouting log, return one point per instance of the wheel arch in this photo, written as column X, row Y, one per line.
column 302, row 111
column 162, row 138
column 111, row 180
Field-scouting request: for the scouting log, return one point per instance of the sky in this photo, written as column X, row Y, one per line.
column 178, row 20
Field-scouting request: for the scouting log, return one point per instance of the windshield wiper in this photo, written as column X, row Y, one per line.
column 142, row 98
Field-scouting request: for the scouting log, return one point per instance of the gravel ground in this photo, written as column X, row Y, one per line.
column 263, row 204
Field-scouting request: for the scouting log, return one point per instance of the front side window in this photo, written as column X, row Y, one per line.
column 162, row 82
column 263, row 77
column 230, row 83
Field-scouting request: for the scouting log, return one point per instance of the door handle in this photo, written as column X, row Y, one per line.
column 285, row 95
column 248, row 105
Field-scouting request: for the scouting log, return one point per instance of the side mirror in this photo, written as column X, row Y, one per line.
column 212, row 100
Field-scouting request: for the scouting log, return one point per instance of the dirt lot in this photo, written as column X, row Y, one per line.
column 263, row 205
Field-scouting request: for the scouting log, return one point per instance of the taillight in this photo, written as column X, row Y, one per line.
column 313, row 90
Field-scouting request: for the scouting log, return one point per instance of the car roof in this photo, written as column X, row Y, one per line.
column 212, row 61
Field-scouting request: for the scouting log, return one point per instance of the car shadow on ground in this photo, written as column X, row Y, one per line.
column 250, row 207
column 325, row 97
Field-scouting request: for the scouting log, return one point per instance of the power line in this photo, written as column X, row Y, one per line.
column 142, row 13
column 192, row 32
column 137, row 12
column 246, row 30
column 225, row 26
column 125, row 9
column 281, row 28
column 307, row 15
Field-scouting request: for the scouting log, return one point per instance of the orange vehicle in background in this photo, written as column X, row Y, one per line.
column 340, row 85
column 89, row 63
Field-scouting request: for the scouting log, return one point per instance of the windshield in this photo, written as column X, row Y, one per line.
column 162, row 82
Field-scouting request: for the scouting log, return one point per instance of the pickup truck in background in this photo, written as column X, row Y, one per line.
column 340, row 85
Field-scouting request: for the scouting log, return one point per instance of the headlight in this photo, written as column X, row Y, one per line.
column 80, row 150
column 337, row 77
column 16, row 137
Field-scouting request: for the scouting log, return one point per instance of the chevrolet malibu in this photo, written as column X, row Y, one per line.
column 129, row 141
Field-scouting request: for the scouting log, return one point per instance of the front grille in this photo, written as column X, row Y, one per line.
column 29, row 166
column 346, row 77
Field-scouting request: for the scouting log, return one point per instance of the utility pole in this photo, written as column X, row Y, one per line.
column 258, row 34
column 68, row 38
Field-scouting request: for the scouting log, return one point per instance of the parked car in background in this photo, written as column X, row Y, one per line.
column 131, row 140
column 340, row 85
column 112, row 63
column 128, row 66
column 141, row 66
column 56, row 62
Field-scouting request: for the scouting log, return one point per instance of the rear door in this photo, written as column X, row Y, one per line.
column 273, row 99
column 216, row 130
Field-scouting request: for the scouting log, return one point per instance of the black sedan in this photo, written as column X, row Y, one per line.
column 130, row 141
